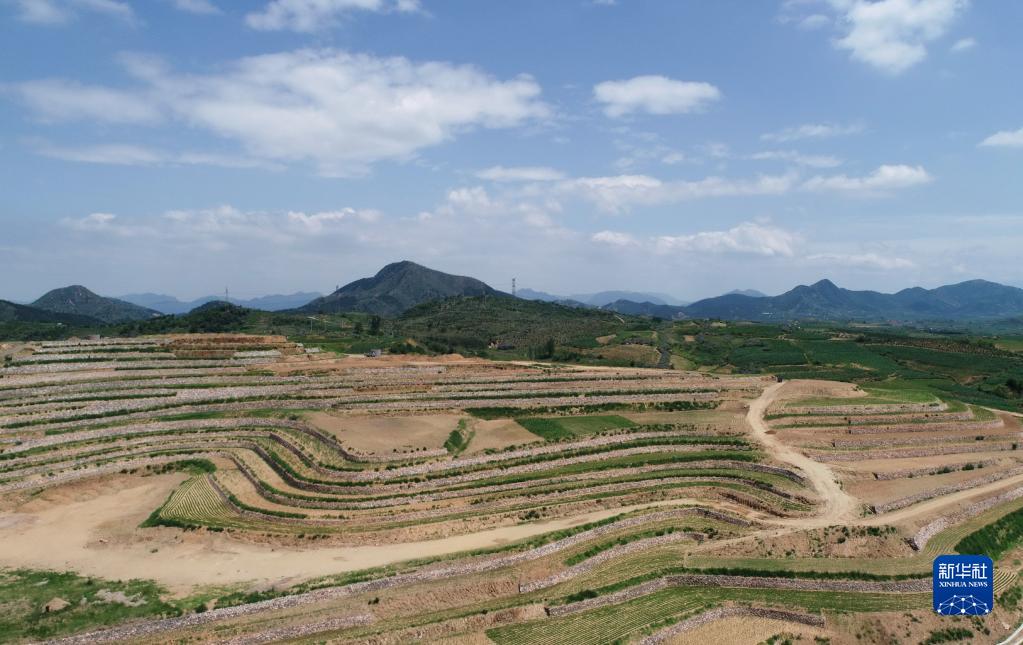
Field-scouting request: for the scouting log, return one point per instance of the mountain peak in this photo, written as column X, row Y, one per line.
column 401, row 266
column 78, row 300
column 396, row 288
column 824, row 285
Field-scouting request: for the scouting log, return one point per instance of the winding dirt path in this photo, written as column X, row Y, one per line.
column 839, row 506
column 98, row 536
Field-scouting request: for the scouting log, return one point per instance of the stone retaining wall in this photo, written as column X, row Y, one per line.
column 442, row 571
column 919, row 585
column 926, row 532
column 945, row 490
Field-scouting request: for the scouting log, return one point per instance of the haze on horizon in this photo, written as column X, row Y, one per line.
column 685, row 148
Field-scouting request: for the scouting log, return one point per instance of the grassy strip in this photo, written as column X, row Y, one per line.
column 24, row 594
column 662, row 406
column 996, row 538
column 557, row 429
column 586, row 594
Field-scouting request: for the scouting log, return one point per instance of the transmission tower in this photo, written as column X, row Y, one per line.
column 513, row 287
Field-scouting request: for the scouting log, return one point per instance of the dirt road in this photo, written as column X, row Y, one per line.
column 839, row 506
column 97, row 535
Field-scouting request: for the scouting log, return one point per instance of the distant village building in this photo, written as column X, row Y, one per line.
column 374, row 353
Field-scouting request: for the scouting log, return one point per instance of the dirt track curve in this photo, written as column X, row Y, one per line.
column 839, row 506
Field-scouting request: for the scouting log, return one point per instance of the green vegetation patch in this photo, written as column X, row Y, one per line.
column 996, row 538
column 559, row 428
column 39, row 605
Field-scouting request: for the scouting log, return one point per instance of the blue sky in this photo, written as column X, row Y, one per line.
column 181, row 146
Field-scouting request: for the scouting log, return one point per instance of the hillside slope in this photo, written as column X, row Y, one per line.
column 78, row 300
column 397, row 288
column 13, row 312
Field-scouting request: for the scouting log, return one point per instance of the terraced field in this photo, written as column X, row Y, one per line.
column 271, row 492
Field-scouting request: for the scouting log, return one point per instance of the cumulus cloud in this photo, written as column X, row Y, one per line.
column 748, row 237
column 892, row 35
column 1005, row 139
column 654, row 95
column 315, row 15
column 58, row 12
column 885, row 178
column 520, row 173
column 340, row 111
column 813, row 131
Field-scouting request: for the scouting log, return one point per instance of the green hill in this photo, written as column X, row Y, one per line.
column 395, row 289
column 78, row 300
column 14, row 313
column 476, row 322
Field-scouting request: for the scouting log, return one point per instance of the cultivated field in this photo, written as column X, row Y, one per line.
column 219, row 487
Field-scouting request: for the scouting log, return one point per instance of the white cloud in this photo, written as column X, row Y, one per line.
column 884, row 178
column 63, row 100
column 654, row 95
column 618, row 193
column 862, row 260
column 748, row 237
column 813, row 131
column 42, row 12
column 315, row 15
column 316, row 222
column 339, row 111
column 92, row 221
column 614, row 238
column 203, row 7
column 113, row 154
column 814, row 21
column 1005, row 139
column 798, row 158
column 520, row 173
column 126, row 154
column 963, row 44
column 57, row 12
column 892, row 35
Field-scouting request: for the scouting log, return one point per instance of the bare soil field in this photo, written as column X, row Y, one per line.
column 388, row 434
column 498, row 434
column 747, row 631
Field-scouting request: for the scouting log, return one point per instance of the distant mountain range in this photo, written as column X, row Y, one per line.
column 752, row 293
column 971, row 300
column 79, row 301
column 396, row 288
column 601, row 298
column 402, row 285
column 170, row 305
column 630, row 308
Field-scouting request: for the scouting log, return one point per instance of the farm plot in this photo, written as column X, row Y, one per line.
column 319, row 486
